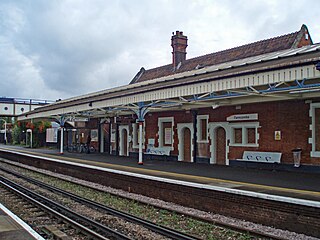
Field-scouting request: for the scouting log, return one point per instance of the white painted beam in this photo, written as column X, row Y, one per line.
column 182, row 91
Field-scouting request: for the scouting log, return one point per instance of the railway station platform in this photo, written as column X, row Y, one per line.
column 13, row 228
column 298, row 185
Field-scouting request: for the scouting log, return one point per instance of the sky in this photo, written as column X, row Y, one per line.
column 62, row 48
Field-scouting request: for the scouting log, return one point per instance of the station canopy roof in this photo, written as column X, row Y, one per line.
column 167, row 92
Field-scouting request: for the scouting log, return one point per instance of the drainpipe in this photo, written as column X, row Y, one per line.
column 61, row 140
column 195, row 147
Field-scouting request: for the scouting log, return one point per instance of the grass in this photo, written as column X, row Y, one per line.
column 163, row 217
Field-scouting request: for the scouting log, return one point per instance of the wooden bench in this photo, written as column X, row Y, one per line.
column 158, row 151
column 264, row 157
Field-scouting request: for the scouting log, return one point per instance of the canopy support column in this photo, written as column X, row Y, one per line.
column 141, row 112
column 61, row 140
column 62, row 120
column 140, row 143
column 101, row 139
column 102, row 121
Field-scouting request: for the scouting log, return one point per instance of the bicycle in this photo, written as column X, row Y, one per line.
column 83, row 148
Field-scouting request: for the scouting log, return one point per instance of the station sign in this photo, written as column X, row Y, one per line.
column 243, row 117
column 76, row 119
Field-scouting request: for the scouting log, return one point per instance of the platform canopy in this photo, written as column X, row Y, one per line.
column 283, row 75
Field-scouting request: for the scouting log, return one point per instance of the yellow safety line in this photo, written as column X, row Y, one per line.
column 176, row 175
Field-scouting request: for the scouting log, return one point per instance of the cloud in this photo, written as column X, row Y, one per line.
column 19, row 74
column 63, row 48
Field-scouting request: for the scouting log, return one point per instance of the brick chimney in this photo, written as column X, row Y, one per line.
column 179, row 45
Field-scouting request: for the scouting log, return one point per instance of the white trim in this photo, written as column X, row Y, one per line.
column 199, row 129
column 212, row 129
column 180, row 128
column 312, row 113
column 121, row 145
column 215, row 85
column 160, row 131
column 244, row 126
column 18, row 220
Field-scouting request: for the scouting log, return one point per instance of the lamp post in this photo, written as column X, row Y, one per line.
column 5, row 131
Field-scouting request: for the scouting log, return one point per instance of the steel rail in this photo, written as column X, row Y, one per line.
column 52, row 211
column 245, row 230
column 64, row 213
column 147, row 224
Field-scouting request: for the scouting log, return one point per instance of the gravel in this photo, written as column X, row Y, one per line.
column 207, row 216
column 134, row 231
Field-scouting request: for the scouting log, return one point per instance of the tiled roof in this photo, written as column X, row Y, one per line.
column 249, row 50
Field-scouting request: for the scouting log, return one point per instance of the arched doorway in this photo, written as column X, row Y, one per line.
column 187, row 145
column 185, row 142
column 124, row 144
column 220, row 146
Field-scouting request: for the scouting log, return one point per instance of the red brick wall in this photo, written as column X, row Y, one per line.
column 289, row 117
column 203, row 150
column 151, row 121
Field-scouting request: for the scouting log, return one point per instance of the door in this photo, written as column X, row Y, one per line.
column 187, row 145
column 124, row 142
column 106, row 136
column 220, row 138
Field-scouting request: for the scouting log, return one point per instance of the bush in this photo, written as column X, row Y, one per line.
column 16, row 132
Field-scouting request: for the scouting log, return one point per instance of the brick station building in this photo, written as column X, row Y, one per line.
column 251, row 104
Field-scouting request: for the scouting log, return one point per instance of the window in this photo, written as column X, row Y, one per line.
column 251, row 132
column 306, row 36
column 244, row 134
column 315, row 129
column 167, row 133
column 202, row 128
column 165, row 126
column 237, row 135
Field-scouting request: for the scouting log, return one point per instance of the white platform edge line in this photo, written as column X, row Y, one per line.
column 21, row 223
column 185, row 183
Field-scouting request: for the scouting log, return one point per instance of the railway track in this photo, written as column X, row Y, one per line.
column 150, row 225
column 56, row 215
column 167, row 232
